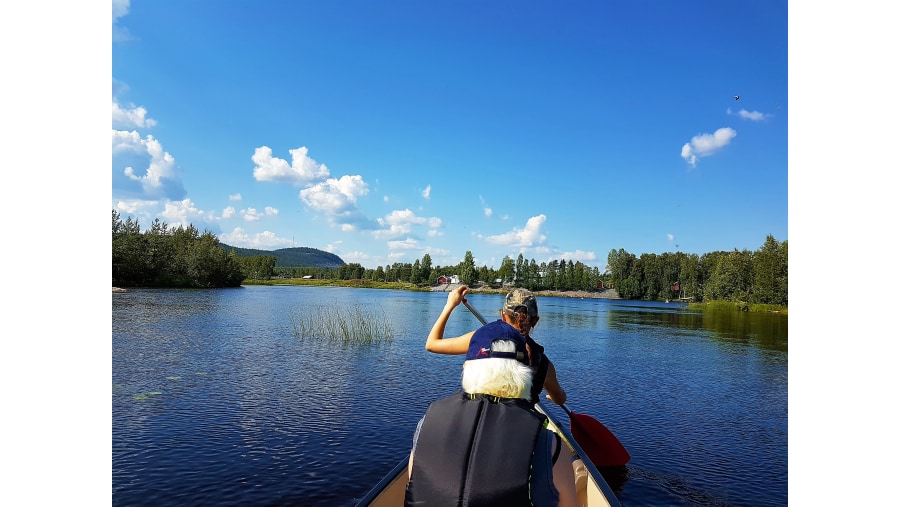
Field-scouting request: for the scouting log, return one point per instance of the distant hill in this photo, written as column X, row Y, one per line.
column 297, row 257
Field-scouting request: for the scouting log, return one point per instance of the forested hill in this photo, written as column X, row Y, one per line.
column 292, row 257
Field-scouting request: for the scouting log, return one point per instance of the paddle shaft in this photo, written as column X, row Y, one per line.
column 475, row 312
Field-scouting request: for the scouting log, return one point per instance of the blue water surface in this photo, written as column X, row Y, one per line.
column 216, row 401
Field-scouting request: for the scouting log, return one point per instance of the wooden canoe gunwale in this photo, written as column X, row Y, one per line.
column 378, row 489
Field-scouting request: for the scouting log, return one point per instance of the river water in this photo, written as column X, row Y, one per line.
column 216, row 401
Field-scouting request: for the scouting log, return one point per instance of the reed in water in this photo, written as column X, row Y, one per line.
column 339, row 324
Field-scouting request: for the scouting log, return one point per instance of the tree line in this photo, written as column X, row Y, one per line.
column 171, row 257
column 755, row 277
column 183, row 257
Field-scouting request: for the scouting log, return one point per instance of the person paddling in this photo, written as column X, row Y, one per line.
column 521, row 312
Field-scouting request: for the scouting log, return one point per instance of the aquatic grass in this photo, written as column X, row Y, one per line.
column 739, row 306
column 144, row 396
column 339, row 324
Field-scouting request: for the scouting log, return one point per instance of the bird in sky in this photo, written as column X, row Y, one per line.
column 736, row 97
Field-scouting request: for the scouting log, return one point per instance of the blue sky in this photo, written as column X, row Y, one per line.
column 381, row 131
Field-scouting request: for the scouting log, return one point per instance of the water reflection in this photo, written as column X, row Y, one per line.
column 764, row 330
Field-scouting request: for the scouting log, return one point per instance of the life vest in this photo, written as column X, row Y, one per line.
column 475, row 450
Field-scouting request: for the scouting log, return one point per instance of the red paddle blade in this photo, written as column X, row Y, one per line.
column 600, row 445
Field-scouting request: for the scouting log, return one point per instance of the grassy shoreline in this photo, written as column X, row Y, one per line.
column 606, row 294
column 370, row 284
column 359, row 284
column 739, row 306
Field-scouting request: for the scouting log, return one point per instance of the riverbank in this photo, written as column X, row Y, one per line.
column 370, row 284
column 582, row 294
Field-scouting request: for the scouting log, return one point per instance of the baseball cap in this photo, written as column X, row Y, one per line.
column 519, row 298
column 481, row 342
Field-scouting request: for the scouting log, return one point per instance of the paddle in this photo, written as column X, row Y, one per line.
column 600, row 445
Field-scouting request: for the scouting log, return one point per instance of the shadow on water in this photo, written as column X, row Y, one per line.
column 616, row 477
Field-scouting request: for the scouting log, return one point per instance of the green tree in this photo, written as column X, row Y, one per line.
column 534, row 275
column 467, row 271
column 426, row 268
column 257, row 267
column 506, row 273
column 691, row 283
column 551, row 275
column 163, row 257
column 520, row 271
column 415, row 274
column 770, row 273
column 731, row 277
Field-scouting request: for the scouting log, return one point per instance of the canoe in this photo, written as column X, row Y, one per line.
column 592, row 488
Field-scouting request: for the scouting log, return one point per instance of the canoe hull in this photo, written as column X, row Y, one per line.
column 592, row 489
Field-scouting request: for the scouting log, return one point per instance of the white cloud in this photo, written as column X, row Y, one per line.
column 706, row 144
column 130, row 117
column 252, row 215
column 749, row 115
column 301, row 171
column 436, row 251
column 578, row 255
column 406, row 244
column 529, row 236
column 487, row 210
column 671, row 237
column 184, row 213
column 335, row 196
column 134, row 207
column 406, row 216
column 160, row 177
column 265, row 240
column 401, row 222
column 752, row 115
column 427, row 192
column 350, row 257
column 235, row 197
column 119, row 10
column 228, row 212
